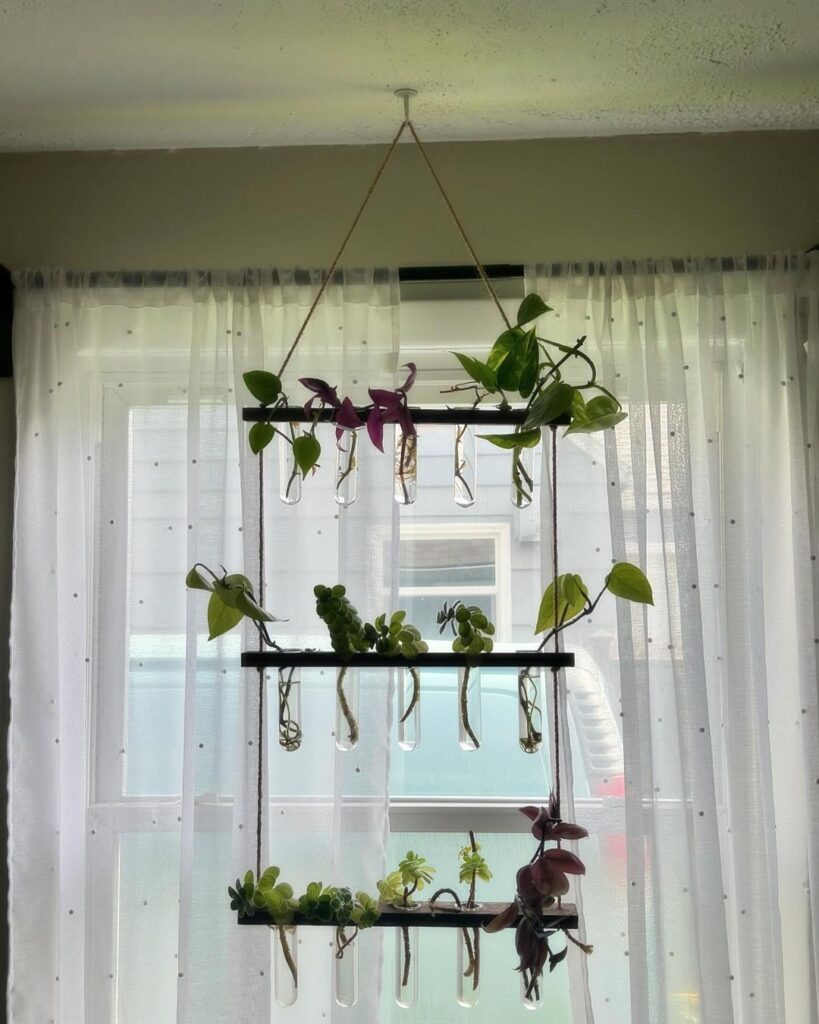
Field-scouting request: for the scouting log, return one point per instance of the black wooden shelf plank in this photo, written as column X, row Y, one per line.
column 479, row 417
column 447, row 916
column 433, row 659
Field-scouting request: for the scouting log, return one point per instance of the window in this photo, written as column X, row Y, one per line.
column 488, row 554
column 446, row 561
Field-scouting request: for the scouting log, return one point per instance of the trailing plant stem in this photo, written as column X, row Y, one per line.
column 351, row 460
column 521, row 480
column 528, row 701
column 407, row 956
column 287, row 954
column 343, row 941
column 464, row 705
column 416, row 692
column 349, row 718
column 289, row 730
column 460, row 461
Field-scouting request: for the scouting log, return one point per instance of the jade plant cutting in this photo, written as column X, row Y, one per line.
column 472, row 868
column 473, row 634
column 397, row 890
column 275, row 897
column 349, row 635
column 231, row 600
column 319, row 904
column 526, row 368
column 336, row 905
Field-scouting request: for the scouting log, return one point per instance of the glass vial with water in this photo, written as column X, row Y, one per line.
column 530, row 709
column 289, row 472
column 347, row 689
column 405, row 467
column 523, row 476
column 531, row 991
column 285, row 964
column 468, row 950
column 409, row 707
column 289, row 692
column 469, row 707
column 346, row 484
column 406, row 966
column 465, row 465
column 345, row 970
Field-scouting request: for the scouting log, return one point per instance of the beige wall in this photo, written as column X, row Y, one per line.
column 522, row 201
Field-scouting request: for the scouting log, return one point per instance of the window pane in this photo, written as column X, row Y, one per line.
column 437, row 562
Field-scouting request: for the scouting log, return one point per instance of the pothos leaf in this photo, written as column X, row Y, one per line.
column 629, row 581
column 529, row 368
column 196, row 581
column 520, row 439
column 531, row 308
column 508, row 355
column 238, row 579
column 571, row 599
column 260, row 436
column 248, row 606
column 221, row 617
column 306, row 451
column 598, row 414
column 552, row 402
column 478, row 371
column 263, row 385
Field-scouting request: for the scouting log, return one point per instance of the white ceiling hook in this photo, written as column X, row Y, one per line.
column 406, row 94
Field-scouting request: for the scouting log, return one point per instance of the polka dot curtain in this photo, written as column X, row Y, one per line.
column 705, row 903
column 133, row 742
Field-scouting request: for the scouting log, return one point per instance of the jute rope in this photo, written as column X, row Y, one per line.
column 405, row 124
column 555, row 671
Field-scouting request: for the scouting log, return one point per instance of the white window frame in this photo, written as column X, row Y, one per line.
column 498, row 533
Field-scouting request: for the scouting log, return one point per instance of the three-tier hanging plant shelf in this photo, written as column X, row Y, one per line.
column 521, row 386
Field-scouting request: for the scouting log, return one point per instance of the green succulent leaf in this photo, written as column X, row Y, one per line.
column 365, row 912
column 629, row 581
column 264, row 386
column 306, row 452
column 473, row 865
column 391, row 888
column 531, row 308
column 269, row 877
column 259, row 436
column 414, row 868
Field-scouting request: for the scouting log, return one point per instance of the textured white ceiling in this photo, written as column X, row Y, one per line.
column 137, row 74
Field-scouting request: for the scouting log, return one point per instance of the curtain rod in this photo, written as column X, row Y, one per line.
column 420, row 274
column 496, row 271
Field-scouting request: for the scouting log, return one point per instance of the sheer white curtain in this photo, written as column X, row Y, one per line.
column 712, row 488
column 133, row 740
